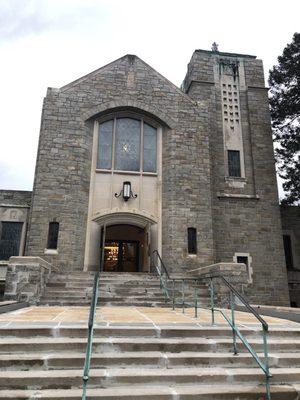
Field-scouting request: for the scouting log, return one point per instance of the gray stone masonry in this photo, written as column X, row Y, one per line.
column 26, row 278
column 15, row 197
column 234, row 273
column 245, row 219
column 230, row 217
column 61, row 187
column 290, row 220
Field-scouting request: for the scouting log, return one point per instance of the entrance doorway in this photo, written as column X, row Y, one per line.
column 121, row 256
column 125, row 249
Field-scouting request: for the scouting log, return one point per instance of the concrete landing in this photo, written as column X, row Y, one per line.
column 54, row 316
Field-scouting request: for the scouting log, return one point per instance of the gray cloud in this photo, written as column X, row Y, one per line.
column 20, row 18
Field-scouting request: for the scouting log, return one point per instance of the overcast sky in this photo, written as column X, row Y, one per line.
column 49, row 43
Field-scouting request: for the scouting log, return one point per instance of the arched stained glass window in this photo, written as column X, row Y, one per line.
column 127, row 144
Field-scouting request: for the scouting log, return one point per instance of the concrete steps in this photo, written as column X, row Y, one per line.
column 144, row 361
column 120, row 289
column 141, row 344
column 161, row 392
column 148, row 359
column 140, row 377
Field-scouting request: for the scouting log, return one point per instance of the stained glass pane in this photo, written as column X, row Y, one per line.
column 105, row 145
column 127, row 146
column 150, row 144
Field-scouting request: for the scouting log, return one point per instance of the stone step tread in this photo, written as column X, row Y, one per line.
column 142, row 354
column 67, row 303
column 153, row 292
column 161, row 392
column 33, row 331
column 140, row 377
column 112, row 295
column 206, row 332
column 103, row 303
column 138, row 340
column 135, row 372
column 105, row 280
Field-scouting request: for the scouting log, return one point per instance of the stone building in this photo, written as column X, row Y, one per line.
column 189, row 172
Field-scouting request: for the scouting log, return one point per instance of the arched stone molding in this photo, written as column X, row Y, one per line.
column 132, row 217
column 123, row 104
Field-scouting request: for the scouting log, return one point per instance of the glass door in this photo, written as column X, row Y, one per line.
column 121, row 256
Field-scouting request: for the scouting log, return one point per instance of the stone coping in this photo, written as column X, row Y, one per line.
column 32, row 261
column 219, row 269
column 4, row 263
column 8, row 306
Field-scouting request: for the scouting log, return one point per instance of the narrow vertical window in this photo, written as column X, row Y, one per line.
column 53, row 235
column 150, row 144
column 287, row 243
column 105, row 140
column 234, row 163
column 192, row 240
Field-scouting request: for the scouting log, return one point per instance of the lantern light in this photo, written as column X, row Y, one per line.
column 126, row 192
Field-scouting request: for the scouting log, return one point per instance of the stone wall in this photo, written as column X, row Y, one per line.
column 26, row 279
column 15, row 197
column 61, row 187
column 246, row 215
column 290, row 220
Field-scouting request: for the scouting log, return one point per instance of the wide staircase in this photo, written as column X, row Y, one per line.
column 144, row 361
column 192, row 358
column 117, row 289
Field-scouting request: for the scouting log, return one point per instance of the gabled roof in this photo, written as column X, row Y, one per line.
column 131, row 58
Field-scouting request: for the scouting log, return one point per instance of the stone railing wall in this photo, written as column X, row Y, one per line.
column 234, row 273
column 26, row 278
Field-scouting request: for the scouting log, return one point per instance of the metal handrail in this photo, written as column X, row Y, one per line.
column 92, row 314
column 161, row 263
column 246, row 304
column 235, row 330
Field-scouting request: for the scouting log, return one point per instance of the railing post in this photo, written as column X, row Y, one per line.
column 196, row 299
column 166, row 289
column 232, row 306
column 266, row 354
column 160, row 272
column 173, row 294
column 183, row 297
column 212, row 301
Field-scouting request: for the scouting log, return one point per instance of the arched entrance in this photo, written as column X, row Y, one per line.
column 129, row 240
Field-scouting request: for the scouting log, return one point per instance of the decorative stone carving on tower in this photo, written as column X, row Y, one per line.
column 229, row 77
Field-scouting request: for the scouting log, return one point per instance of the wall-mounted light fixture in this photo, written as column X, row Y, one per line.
column 126, row 192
